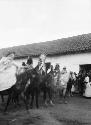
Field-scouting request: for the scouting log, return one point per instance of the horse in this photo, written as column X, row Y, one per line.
column 7, row 78
column 16, row 90
column 33, row 89
column 40, row 83
column 23, row 88
column 46, row 86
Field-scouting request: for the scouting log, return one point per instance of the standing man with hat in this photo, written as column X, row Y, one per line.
column 41, row 63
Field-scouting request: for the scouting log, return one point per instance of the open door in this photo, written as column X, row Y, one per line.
column 85, row 67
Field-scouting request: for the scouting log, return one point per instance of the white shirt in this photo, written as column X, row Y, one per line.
column 86, row 79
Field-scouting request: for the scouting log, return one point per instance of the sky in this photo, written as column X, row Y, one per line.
column 31, row 21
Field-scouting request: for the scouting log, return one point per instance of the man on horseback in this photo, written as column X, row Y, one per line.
column 38, row 81
column 29, row 62
column 41, row 63
column 45, row 77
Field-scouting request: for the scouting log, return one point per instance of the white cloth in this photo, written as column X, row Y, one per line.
column 86, row 79
column 63, row 71
column 73, row 88
column 7, row 73
column 4, row 63
column 63, row 79
column 88, row 90
column 42, row 68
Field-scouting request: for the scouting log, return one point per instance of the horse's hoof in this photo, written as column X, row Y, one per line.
column 37, row 107
column 46, row 104
column 65, row 102
column 71, row 95
column 51, row 103
column 5, row 113
column 31, row 107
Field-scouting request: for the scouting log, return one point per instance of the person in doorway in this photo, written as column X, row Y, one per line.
column 87, row 90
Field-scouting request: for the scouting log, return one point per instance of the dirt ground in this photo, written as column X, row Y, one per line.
column 76, row 112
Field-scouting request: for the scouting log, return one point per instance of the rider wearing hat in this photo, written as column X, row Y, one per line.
column 41, row 64
column 29, row 63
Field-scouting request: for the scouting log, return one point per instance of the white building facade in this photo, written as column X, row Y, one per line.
column 71, row 61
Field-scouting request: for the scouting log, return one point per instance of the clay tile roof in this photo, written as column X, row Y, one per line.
column 71, row 45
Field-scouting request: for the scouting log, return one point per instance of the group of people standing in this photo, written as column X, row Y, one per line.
column 84, row 84
column 63, row 80
column 9, row 59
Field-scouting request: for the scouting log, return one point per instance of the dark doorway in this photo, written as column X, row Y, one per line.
column 85, row 67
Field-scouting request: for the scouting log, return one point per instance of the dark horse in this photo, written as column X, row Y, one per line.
column 24, row 89
column 18, row 89
column 33, row 88
column 39, row 83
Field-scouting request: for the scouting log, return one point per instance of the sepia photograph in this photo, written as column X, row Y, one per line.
column 45, row 62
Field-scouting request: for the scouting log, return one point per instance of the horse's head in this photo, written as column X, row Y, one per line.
column 34, row 73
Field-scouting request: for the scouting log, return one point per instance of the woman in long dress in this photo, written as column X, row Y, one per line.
column 87, row 92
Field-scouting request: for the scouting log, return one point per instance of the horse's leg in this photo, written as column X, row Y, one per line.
column 32, row 99
column 15, row 99
column 2, row 98
column 44, row 97
column 26, row 104
column 27, row 97
column 50, row 96
column 27, row 93
column 24, row 100
column 8, row 101
column 37, row 97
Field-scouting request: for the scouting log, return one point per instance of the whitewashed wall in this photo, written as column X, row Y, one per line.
column 72, row 62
